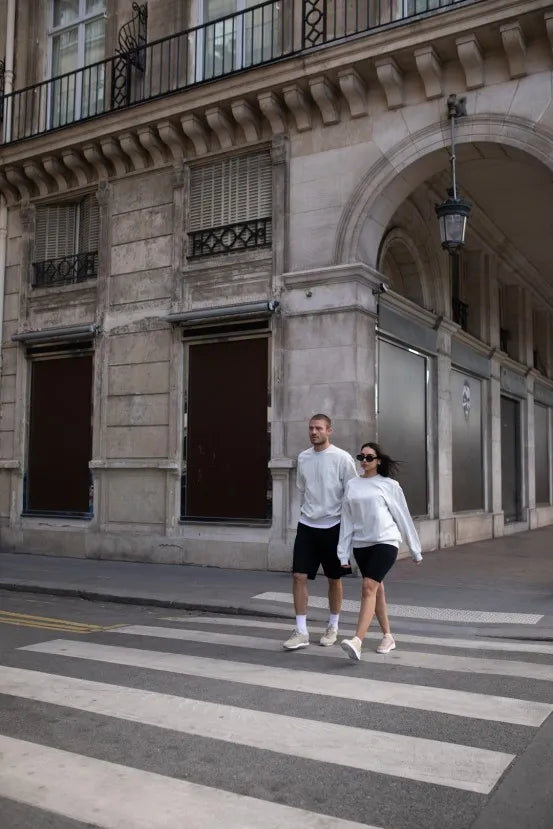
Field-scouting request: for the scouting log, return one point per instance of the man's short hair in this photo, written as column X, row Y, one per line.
column 320, row 416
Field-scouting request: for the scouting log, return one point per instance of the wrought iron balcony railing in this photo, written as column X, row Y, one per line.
column 66, row 270
column 258, row 35
column 255, row 233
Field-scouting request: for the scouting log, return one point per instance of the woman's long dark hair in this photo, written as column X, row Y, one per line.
column 387, row 467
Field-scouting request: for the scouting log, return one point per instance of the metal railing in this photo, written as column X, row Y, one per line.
column 66, row 270
column 256, row 36
column 255, row 233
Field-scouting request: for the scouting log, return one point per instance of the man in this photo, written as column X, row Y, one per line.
column 322, row 474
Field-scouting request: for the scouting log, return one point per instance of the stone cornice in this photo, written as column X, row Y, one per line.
column 264, row 101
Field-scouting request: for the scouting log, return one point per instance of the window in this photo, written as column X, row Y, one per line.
column 77, row 41
column 66, row 242
column 231, row 204
column 247, row 38
column 541, row 444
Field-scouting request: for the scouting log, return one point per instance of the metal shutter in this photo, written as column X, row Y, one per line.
column 55, row 231
column 231, row 190
column 89, row 222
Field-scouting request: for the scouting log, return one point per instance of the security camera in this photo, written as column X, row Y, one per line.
column 382, row 289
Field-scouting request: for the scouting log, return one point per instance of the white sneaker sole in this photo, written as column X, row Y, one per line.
column 350, row 650
column 295, row 647
column 386, row 650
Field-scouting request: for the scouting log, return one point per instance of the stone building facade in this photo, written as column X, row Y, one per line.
column 217, row 217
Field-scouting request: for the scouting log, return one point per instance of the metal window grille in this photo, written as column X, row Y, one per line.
column 232, row 198
column 66, row 242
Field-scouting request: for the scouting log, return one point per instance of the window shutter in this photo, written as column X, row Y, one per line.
column 231, row 190
column 55, row 230
column 89, row 222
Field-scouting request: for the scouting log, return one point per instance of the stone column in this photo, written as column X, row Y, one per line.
column 531, row 449
column 444, row 489
column 496, row 493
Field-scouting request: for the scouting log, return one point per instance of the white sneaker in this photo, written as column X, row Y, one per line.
column 352, row 647
column 387, row 644
column 297, row 640
column 329, row 636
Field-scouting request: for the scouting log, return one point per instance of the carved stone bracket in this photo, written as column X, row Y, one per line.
column 173, row 139
column 515, row 48
column 115, row 154
column 97, row 160
column 472, row 61
column 35, row 171
column 354, row 91
column 151, row 143
column 79, row 167
column 24, row 186
column 130, row 145
column 430, row 69
column 10, row 193
column 194, row 128
column 389, row 75
column 58, row 171
column 221, row 125
column 299, row 105
column 247, row 118
column 272, row 109
column 325, row 97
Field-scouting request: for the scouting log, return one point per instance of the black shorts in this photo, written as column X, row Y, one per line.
column 375, row 561
column 315, row 546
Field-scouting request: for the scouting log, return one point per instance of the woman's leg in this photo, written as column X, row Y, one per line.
column 368, row 605
column 381, row 609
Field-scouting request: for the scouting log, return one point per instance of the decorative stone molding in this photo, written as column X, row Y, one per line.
column 221, row 125
column 129, row 144
column 354, row 91
column 325, row 97
column 22, row 184
column 151, row 143
column 472, row 61
column 247, row 118
column 178, row 176
column 279, row 149
column 27, row 216
column 389, row 75
column 10, row 193
column 78, row 166
column 103, row 193
column 39, row 176
column 429, row 66
column 173, row 139
column 299, row 105
column 97, row 160
column 114, row 153
column 515, row 48
column 272, row 109
column 194, row 128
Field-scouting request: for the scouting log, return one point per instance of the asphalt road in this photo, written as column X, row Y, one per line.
column 116, row 715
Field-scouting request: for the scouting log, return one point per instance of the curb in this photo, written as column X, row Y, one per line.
column 148, row 601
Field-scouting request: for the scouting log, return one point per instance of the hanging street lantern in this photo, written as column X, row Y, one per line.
column 453, row 213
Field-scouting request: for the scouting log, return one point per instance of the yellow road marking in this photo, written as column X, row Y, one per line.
column 42, row 626
column 50, row 619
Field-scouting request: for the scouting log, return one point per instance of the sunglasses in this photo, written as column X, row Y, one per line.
column 367, row 458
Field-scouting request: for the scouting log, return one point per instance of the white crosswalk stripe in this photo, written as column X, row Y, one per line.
column 111, row 795
column 413, row 659
column 439, row 614
column 114, row 796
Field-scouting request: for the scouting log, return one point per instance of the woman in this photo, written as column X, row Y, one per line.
column 375, row 517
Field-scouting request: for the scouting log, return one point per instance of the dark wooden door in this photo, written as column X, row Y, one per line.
column 60, row 435
column 227, row 442
column 510, row 458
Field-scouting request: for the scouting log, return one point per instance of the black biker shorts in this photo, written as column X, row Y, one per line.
column 315, row 546
column 375, row 561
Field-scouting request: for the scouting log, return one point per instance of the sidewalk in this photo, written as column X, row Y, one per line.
column 509, row 575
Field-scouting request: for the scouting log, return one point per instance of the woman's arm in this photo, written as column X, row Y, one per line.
column 400, row 513
column 346, row 532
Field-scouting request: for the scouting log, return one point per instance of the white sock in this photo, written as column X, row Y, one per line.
column 333, row 619
column 301, row 624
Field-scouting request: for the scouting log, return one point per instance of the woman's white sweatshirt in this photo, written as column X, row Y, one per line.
column 374, row 511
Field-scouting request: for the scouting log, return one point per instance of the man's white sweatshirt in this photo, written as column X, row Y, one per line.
column 321, row 478
column 375, row 511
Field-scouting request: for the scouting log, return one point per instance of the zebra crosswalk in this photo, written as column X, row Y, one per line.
column 201, row 721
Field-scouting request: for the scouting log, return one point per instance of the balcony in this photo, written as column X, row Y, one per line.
column 260, row 35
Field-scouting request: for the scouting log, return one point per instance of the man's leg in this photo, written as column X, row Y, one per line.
column 335, row 596
column 300, row 593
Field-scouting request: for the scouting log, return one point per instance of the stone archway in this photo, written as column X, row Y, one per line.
column 389, row 181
